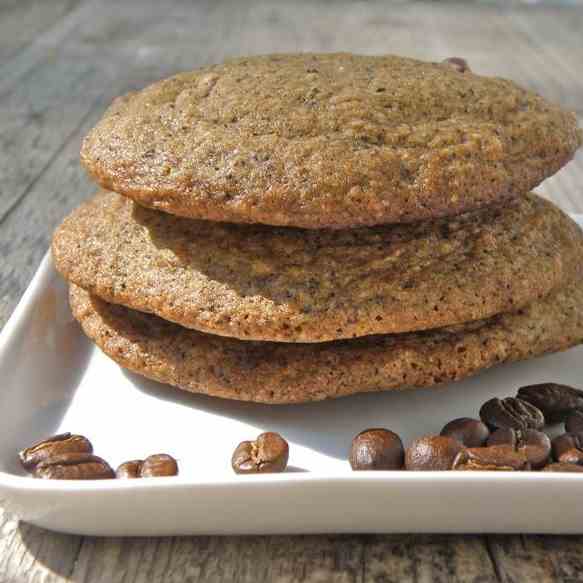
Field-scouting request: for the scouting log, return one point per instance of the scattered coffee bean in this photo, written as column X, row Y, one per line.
column 495, row 458
column 73, row 466
column 511, row 412
column 157, row 465
column 459, row 64
column 129, row 470
column 267, row 454
column 503, row 436
column 432, row 453
column 377, row 449
column 574, row 422
column 554, row 400
column 568, row 448
column 469, row 432
column 535, row 444
column 572, row 456
column 559, row 467
column 55, row 445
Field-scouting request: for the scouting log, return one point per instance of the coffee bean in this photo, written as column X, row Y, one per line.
column 554, row 400
column 73, row 466
column 503, row 436
column 511, row 412
column 457, row 63
column 469, row 432
column 574, row 422
column 558, row 467
column 55, row 445
column 129, row 470
column 377, row 449
column 535, row 444
column 432, row 453
column 157, row 465
column 572, row 456
column 494, row 458
column 568, row 448
column 267, row 454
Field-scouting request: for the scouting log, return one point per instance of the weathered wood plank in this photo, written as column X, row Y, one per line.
column 556, row 46
column 427, row 559
column 538, row 558
column 222, row 560
column 43, row 110
column 31, row 554
column 41, row 47
column 59, row 186
column 21, row 21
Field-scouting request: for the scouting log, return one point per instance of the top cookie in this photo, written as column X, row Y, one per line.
column 327, row 140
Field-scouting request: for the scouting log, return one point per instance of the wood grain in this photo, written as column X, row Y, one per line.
column 62, row 61
column 23, row 20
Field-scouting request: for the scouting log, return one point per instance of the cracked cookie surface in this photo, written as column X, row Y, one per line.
column 328, row 140
column 290, row 285
column 270, row 372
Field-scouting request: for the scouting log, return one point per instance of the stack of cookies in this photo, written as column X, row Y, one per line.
column 291, row 228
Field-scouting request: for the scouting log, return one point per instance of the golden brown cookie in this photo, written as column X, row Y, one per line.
column 290, row 285
column 270, row 372
column 328, row 140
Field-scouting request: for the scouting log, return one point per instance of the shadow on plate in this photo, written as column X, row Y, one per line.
column 328, row 426
column 42, row 367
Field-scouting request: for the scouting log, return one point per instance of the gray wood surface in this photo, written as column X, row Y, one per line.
column 62, row 61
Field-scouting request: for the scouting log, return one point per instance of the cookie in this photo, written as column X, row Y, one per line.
column 270, row 372
column 328, row 140
column 291, row 285
column 281, row 284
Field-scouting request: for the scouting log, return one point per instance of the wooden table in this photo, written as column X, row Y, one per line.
column 62, row 61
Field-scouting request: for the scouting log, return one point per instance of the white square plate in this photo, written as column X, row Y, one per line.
column 54, row 380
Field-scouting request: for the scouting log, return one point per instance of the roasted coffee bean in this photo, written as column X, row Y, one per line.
column 502, row 458
column 129, row 470
column 558, row 467
column 267, row 454
column 73, row 466
column 511, row 412
column 574, row 422
column 432, row 453
column 572, row 456
column 459, row 64
column 158, row 465
column 503, row 436
column 469, row 432
column 554, row 400
column 55, row 445
column 536, row 444
column 377, row 449
column 568, row 448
